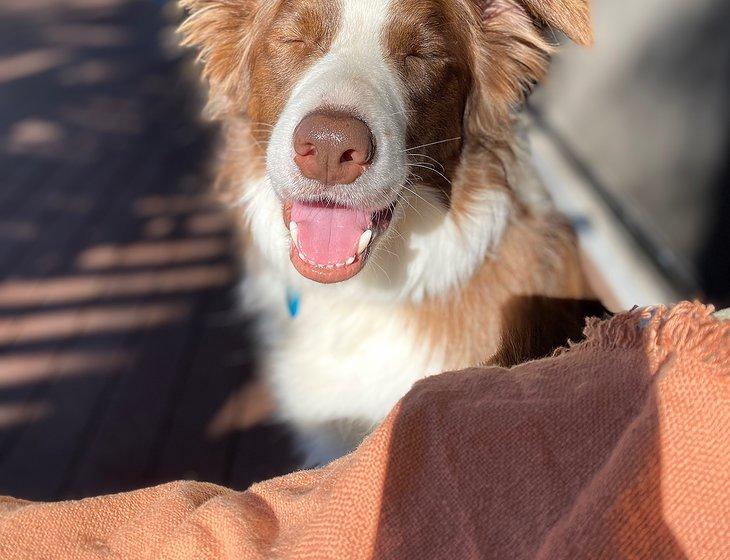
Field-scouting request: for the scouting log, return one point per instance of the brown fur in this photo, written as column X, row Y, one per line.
column 223, row 31
column 533, row 285
column 298, row 33
column 429, row 48
column 572, row 17
column 510, row 55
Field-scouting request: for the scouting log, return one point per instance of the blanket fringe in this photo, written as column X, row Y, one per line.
column 689, row 327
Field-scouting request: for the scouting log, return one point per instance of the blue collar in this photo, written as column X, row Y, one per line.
column 292, row 302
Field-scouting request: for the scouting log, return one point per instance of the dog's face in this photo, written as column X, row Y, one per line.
column 362, row 105
column 337, row 154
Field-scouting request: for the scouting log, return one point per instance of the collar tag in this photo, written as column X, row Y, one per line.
column 292, row 302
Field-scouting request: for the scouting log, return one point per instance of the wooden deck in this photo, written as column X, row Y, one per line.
column 119, row 339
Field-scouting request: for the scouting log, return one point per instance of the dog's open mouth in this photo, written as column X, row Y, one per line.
column 331, row 243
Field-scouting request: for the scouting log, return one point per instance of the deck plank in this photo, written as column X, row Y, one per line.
column 187, row 449
column 114, row 385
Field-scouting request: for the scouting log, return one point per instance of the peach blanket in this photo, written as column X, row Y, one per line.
column 618, row 447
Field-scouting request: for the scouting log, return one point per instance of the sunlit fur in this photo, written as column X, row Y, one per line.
column 472, row 232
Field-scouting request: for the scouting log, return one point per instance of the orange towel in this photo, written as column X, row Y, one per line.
column 616, row 448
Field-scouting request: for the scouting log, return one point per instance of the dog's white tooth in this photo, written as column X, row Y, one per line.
column 364, row 241
column 340, row 265
column 330, row 266
column 294, row 231
column 349, row 261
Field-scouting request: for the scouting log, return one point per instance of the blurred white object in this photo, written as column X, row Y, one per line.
column 646, row 110
column 627, row 278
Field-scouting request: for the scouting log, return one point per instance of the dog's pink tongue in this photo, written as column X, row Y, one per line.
column 329, row 234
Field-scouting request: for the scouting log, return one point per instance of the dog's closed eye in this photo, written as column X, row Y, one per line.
column 420, row 55
column 415, row 61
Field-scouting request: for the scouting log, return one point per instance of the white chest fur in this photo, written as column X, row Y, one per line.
column 354, row 361
column 338, row 362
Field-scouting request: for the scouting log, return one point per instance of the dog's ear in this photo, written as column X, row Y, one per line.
column 222, row 31
column 511, row 55
column 572, row 17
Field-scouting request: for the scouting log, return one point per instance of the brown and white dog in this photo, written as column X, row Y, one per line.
column 373, row 149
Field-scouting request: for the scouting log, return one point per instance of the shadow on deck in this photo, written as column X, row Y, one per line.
column 119, row 337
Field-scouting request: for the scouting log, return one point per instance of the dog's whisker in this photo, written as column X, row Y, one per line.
column 428, row 157
column 421, row 198
column 375, row 263
column 432, row 144
column 262, row 144
column 394, row 231
column 396, row 255
column 433, row 169
column 410, row 204
column 424, row 165
column 418, row 197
